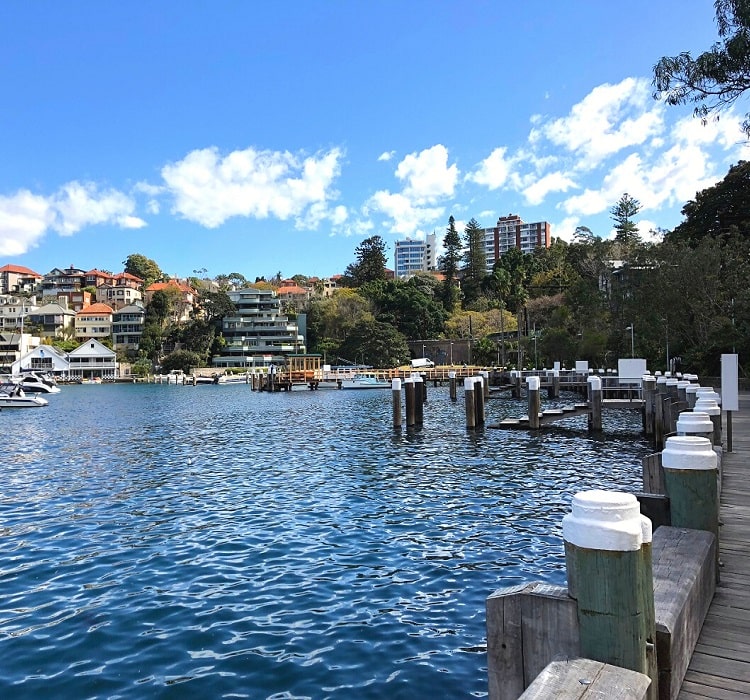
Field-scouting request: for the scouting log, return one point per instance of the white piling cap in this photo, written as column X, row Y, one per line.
column 418, row 378
column 533, row 383
column 606, row 520
column 707, row 406
column 452, row 374
column 469, row 384
column 671, row 381
column 682, row 384
column 692, row 422
column 708, row 393
column 688, row 452
column 660, row 379
column 596, row 383
column 396, row 384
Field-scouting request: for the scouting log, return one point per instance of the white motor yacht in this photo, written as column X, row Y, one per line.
column 37, row 383
column 13, row 396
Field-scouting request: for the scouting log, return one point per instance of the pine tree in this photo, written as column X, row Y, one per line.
column 626, row 230
column 448, row 265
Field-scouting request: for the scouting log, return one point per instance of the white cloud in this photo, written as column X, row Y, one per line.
column 24, row 218
column 493, row 171
column 388, row 155
column 609, row 119
column 554, row 182
column 209, row 189
column 78, row 205
column 566, row 228
column 428, row 179
column 427, row 175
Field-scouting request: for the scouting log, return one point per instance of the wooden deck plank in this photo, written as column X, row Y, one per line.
column 720, row 666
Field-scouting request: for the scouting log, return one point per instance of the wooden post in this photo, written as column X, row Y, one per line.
column 419, row 398
column 452, row 385
column 410, row 401
column 672, row 389
column 595, row 404
column 690, row 394
column 695, row 423
column 471, row 421
column 709, row 406
column 649, row 404
column 608, row 547
column 690, row 476
column 396, row 394
column 479, row 405
column 532, row 388
column 485, row 375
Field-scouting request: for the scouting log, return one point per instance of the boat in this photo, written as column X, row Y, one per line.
column 365, row 380
column 36, row 383
column 13, row 396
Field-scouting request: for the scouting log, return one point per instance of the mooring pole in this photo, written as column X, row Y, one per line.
column 396, row 394
column 608, row 555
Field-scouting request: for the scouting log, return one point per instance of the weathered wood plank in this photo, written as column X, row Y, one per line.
column 580, row 679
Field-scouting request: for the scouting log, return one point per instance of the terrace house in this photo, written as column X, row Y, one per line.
column 94, row 321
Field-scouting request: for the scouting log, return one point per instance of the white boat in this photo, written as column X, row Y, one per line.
column 366, row 380
column 13, row 396
column 37, row 383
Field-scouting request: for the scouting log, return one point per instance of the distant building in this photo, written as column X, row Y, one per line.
column 512, row 232
column 94, row 321
column 127, row 328
column 185, row 298
column 52, row 320
column 412, row 256
column 13, row 309
column 15, row 279
column 258, row 334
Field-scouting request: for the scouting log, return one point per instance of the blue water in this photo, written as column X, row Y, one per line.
column 211, row 542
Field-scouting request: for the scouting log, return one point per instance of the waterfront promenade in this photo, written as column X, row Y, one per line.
column 720, row 666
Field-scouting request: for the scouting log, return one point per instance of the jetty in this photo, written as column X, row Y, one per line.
column 688, row 579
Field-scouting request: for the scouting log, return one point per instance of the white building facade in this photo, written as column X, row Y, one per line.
column 512, row 232
column 412, row 256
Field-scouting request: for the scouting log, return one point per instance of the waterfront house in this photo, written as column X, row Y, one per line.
column 45, row 358
column 94, row 321
column 13, row 310
column 127, row 328
column 92, row 360
column 52, row 320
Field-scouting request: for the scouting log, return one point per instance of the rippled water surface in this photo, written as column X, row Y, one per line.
column 211, row 542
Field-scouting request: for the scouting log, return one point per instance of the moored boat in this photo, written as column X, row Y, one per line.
column 13, row 396
column 35, row 382
column 366, row 380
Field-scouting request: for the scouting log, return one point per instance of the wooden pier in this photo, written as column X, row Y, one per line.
column 720, row 665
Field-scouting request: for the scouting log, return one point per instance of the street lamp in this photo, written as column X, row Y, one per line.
column 244, row 363
column 632, row 339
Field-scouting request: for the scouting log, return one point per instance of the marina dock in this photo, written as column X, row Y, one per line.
column 720, row 665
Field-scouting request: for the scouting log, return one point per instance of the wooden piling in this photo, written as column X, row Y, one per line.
column 532, row 388
column 409, row 400
column 709, row 406
column 479, row 402
column 469, row 403
column 608, row 546
column 452, row 385
column 419, row 394
column 396, row 394
column 595, row 404
column 649, row 404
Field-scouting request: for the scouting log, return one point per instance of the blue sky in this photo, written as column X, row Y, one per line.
column 259, row 137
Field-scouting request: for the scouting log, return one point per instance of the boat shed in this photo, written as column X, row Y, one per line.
column 92, row 360
column 45, row 358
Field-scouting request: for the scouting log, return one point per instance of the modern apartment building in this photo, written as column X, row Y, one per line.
column 512, row 232
column 413, row 256
column 258, row 334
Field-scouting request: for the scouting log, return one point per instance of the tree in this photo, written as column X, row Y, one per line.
column 216, row 305
column 626, row 230
column 448, row 265
column 370, row 264
column 716, row 78
column 180, row 360
column 143, row 267
column 377, row 344
column 475, row 261
column 717, row 211
column 234, row 280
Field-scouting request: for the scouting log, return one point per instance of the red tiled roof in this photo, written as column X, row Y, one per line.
column 96, row 309
column 291, row 289
column 161, row 286
column 127, row 276
column 19, row 270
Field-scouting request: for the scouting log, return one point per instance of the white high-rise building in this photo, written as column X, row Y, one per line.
column 415, row 256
